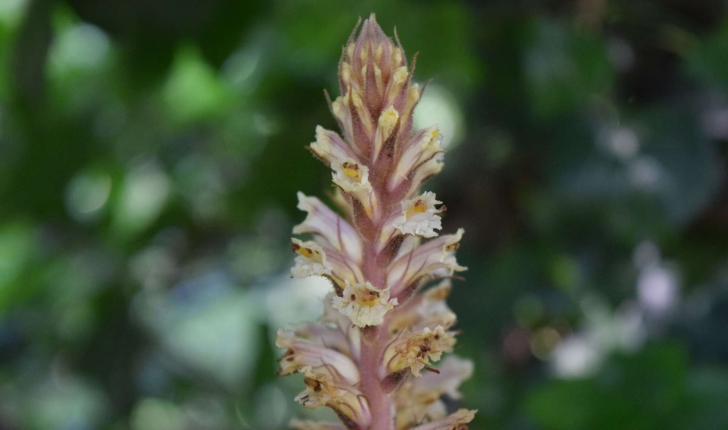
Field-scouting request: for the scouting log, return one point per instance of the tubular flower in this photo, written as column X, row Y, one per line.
column 364, row 304
column 420, row 398
column 369, row 357
column 417, row 350
column 420, row 216
column 311, row 259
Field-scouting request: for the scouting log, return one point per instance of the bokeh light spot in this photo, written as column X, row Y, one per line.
column 439, row 106
column 86, row 194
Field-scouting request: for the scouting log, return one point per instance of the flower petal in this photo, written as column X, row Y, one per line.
column 329, row 146
column 456, row 421
column 419, row 216
column 364, row 304
column 434, row 258
column 327, row 225
column 301, row 353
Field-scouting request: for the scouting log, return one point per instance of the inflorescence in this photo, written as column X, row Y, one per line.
column 370, row 356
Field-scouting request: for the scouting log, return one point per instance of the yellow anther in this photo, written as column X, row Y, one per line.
column 368, row 298
column 419, row 207
column 303, row 251
column 351, row 170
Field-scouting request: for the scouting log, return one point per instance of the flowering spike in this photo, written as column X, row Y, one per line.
column 370, row 357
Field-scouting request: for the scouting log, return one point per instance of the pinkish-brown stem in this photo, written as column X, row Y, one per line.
column 380, row 405
column 374, row 340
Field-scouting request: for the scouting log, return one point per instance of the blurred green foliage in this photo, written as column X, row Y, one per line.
column 150, row 153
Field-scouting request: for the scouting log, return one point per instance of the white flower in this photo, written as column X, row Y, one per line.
column 435, row 258
column 329, row 146
column 426, row 309
column 301, row 353
column 353, row 178
column 329, row 226
column 422, row 147
column 323, row 390
column 426, row 170
column 364, row 304
column 310, row 261
column 420, row 216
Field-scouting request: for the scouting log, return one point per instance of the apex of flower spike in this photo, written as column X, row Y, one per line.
column 371, row 59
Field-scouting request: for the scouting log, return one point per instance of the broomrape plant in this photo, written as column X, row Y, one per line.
column 369, row 358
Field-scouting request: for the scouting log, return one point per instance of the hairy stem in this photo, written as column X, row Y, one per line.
column 373, row 343
column 379, row 402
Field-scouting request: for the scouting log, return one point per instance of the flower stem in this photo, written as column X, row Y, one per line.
column 379, row 402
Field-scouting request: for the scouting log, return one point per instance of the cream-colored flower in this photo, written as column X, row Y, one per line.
column 456, row 421
column 414, row 94
column 434, row 258
column 301, row 353
column 353, row 178
column 435, row 313
column 315, row 260
column 343, row 116
column 387, row 122
column 418, row 350
column 325, row 334
column 320, row 390
column 422, row 173
column 364, row 304
column 310, row 261
column 426, row 309
column 334, row 317
column 420, row 216
column 323, row 390
column 330, row 227
column 421, row 148
column 329, row 146
column 351, row 175
column 419, row 399
column 399, row 79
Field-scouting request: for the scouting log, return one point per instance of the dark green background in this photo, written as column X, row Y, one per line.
column 150, row 152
